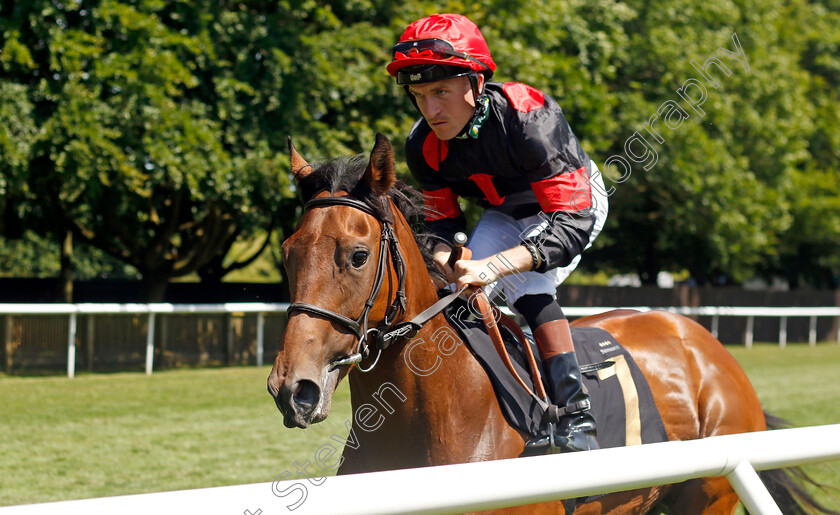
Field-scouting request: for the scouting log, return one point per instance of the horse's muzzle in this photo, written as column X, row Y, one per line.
column 301, row 402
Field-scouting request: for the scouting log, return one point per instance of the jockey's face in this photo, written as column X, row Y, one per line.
column 447, row 105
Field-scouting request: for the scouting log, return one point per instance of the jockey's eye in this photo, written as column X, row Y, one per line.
column 359, row 258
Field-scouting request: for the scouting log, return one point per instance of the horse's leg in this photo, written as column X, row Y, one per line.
column 704, row 496
column 548, row 508
column 630, row 502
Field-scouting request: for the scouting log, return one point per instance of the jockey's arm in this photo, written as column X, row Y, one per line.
column 478, row 272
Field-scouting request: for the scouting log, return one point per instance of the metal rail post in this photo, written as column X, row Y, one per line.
column 749, row 335
column 782, row 332
column 150, row 344
column 715, row 325
column 749, row 487
column 71, row 347
column 260, row 337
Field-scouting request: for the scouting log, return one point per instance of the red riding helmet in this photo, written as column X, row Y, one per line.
column 440, row 46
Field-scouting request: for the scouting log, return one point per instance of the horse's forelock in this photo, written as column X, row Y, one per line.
column 341, row 174
column 346, row 174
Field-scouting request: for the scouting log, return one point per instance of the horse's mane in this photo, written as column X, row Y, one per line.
column 345, row 174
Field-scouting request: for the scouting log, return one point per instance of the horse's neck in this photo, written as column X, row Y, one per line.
column 426, row 403
column 425, row 389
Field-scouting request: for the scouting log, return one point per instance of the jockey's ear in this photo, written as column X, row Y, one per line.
column 380, row 174
column 300, row 168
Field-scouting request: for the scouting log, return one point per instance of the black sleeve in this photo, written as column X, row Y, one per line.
column 557, row 168
column 447, row 228
column 564, row 236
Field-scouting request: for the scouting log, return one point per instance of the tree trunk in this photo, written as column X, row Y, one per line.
column 648, row 270
column 154, row 287
column 213, row 271
column 64, row 289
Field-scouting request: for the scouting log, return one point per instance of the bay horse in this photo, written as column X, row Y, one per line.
column 354, row 254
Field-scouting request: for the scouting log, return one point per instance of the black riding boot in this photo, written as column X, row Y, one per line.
column 574, row 425
column 574, row 428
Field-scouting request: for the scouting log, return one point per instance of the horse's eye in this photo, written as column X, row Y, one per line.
column 359, row 258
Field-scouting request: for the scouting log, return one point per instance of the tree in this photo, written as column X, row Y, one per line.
column 35, row 256
column 138, row 153
column 17, row 130
column 711, row 191
column 809, row 250
column 156, row 130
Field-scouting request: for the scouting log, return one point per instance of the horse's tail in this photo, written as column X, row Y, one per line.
column 787, row 486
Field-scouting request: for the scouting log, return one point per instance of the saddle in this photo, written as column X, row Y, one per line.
column 622, row 403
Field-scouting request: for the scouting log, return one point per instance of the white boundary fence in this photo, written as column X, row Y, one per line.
column 73, row 310
column 495, row 484
column 261, row 309
column 751, row 312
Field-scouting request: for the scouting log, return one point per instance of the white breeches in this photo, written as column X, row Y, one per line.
column 496, row 232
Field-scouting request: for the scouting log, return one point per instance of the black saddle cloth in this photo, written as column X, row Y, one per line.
column 622, row 403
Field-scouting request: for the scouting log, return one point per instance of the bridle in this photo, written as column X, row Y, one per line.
column 383, row 333
column 389, row 330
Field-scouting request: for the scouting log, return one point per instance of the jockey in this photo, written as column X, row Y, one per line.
column 509, row 147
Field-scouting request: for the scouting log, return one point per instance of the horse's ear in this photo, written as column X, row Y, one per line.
column 380, row 174
column 300, row 168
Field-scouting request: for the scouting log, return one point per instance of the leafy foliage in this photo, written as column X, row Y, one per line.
column 156, row 131
column 36, row 256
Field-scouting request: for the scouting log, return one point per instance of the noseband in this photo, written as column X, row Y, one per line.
column 359, row 326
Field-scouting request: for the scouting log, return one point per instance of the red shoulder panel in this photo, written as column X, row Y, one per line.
column 564, row 192
column 434, row 150
column 523, row 97
column 440, row 204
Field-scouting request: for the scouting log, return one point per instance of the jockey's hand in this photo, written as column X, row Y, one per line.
column 441, row 256
column 481, row 272
column 473, row 272
column 464, row 271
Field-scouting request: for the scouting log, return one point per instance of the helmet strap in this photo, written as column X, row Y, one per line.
column 474, row 85
column 411, row 97
column 472, row 128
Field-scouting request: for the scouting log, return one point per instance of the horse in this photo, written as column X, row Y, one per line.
column 355, row 254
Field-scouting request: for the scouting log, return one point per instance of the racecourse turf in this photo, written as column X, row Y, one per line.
column 114, row 434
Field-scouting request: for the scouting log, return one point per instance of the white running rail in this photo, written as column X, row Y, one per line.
column 261, row 308
column 494, row 484
column 72, row 310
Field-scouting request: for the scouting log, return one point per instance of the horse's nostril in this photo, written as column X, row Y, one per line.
column 306, row 395
column 273, row 385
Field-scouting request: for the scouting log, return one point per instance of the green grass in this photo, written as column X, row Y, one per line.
column 113, row 434
column 801, row 384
